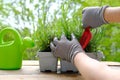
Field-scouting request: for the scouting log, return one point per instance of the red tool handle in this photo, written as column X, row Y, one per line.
column 86, row 37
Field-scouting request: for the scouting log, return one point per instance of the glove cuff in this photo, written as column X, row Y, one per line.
column 102, row 14
column 75, row 53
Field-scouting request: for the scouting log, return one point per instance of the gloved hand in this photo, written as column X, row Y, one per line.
column 93, row 16
column 66, row 49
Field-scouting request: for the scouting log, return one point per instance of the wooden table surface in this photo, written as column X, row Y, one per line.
column 30, row 71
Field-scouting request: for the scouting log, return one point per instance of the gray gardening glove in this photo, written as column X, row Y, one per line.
column 66, row 49
column 93, row 16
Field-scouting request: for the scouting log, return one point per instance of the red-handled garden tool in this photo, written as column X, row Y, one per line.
column 86, row 37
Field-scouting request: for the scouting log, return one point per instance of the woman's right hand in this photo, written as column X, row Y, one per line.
column 93, row 16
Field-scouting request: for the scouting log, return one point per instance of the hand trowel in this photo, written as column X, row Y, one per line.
column 86, row 37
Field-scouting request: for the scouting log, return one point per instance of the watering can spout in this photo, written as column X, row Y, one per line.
column 27, row 43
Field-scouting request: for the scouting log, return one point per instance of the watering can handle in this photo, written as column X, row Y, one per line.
column 17, row 37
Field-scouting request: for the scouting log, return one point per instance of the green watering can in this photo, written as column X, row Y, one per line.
column 11, row 51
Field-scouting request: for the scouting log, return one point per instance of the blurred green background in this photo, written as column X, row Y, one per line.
column 29, row 17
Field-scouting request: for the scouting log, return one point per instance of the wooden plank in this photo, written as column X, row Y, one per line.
column 40, row 77
column 30, row 71
column 30, row 63
column 33, row 73
column 109, row 63
column 36, row 63
column 25, row 70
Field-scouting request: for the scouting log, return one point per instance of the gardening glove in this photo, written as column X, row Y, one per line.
column 93, row 16
column 66, row 49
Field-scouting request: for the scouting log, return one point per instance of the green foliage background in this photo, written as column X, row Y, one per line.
column 66, row 18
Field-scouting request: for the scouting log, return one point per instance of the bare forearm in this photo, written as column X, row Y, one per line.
column 94, row 70
column 112, row 14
